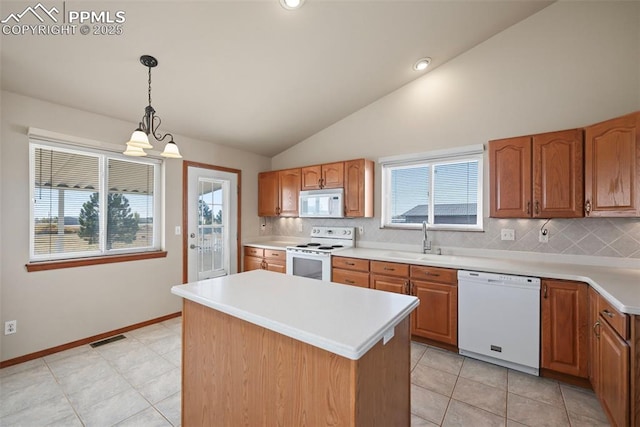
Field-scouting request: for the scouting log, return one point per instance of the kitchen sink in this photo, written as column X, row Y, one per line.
column 412, row 256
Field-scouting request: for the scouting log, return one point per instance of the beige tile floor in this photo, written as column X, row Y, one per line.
column 136, row 382
column 451, row 390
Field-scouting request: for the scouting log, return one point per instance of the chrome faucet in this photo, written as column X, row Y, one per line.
column 426, row 243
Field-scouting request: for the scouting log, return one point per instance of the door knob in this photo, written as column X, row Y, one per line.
column 192, row 246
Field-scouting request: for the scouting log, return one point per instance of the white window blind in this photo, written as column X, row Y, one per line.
column 91, row 203
column 445, row 191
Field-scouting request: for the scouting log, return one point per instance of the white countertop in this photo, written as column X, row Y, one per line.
column 620, row 286
column 278, row 245
column 345, row 320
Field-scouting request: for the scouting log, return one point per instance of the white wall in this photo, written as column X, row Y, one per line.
column 59, row 306
column 570, row 65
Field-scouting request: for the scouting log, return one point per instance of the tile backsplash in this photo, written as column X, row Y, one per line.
column 603, row 237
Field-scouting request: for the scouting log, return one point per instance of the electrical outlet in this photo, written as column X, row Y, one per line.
column 507, row 234
column 543, row 237
column 10, row 327
column 361, row 230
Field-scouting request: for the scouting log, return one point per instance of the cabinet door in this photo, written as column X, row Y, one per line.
column 436, row 317
column 614, row 375
column 612, row 159
column 510, row 177
column 333, row 175
column 289, row 192
column 311, row 176
column 277, row 267
column 594, row 340
column 358, row 188
column 268, row 194
column 348, row 277
column 399, row 285
column 252, row 263
column 565, row 317
column 558, row 188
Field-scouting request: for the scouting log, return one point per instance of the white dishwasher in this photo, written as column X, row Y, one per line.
column 499, row 319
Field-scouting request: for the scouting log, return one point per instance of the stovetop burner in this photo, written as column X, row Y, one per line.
column 327, row 239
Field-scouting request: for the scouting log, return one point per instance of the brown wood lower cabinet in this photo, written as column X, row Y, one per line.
column 565, row 317
column 265, row 259
column 436, row 318
column 611, row 373
column 350, row 271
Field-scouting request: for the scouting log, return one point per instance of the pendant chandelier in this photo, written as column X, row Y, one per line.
column 149, row 126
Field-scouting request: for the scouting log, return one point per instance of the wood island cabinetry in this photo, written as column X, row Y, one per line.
column 612, row 167
column 538, row 176
column 564, row 331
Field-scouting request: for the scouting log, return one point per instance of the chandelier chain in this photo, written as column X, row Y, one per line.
column 149, row 85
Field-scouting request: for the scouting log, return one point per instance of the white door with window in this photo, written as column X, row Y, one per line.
column 212, row 231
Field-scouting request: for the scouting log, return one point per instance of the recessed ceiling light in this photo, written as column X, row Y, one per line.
column 291, row 4
column 422, row 64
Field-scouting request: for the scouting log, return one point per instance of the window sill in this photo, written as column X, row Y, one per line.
column 70, row 263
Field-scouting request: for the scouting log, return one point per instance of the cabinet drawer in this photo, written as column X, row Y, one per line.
column 618, row 321
column 350, row 263
column 251, row 251
column 434, row 274
column 275, row 255
column 348, row 277
column 390, row 268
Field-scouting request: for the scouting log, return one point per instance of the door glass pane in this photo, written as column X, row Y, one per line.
column 211, row 227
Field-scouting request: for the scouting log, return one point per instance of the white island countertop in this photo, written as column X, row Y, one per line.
column 345, row 320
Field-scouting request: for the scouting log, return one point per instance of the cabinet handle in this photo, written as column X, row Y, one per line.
column 410, row 288
column 351, row 282
column 608, row 313
column 545, row 291
column 596, row 329
column 587, row 207
column 350, row 263
column 275, row 254
column 389, row 269
column 321, row 182
column 263, row 265
column 278, row 210
column 406, row 287
column 537, row 207
column 529, row 207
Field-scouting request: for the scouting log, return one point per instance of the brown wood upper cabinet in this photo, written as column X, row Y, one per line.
column 278, row 193
column 612, row 162
column 358, row 188
column 565, row 321
column 330, row 175
column 538, row 176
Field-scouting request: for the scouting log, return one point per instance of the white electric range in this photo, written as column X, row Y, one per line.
column 313, row 259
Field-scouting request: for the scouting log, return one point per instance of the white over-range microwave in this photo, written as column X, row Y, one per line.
column 327, row 203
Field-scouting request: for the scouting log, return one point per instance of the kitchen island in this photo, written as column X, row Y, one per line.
column 263, row 348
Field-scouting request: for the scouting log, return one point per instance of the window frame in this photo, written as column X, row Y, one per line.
column 431, row 160
column 103, row 255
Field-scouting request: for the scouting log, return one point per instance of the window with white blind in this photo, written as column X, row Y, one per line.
column 87, row 203
column 443, row 189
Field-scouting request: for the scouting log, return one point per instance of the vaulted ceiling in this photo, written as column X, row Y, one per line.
column 247, row 74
